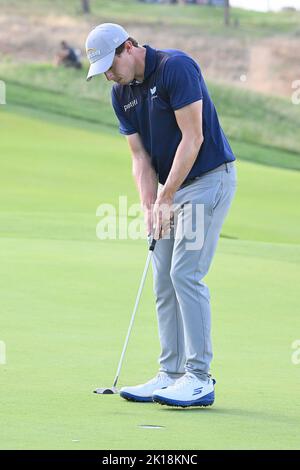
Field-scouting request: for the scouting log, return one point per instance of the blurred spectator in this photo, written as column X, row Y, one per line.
column 68, row 56
column 86, row 6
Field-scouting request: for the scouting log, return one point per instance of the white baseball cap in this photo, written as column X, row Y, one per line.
column 101, row 46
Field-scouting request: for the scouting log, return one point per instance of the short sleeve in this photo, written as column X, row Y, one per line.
column 182, row 81
column 125, row 127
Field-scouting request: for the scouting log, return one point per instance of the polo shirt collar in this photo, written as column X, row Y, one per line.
column 150, row 61
column 150, row 64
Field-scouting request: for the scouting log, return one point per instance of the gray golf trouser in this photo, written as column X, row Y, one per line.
column 182, row 298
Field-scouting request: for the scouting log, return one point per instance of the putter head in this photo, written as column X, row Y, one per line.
column 106, row 391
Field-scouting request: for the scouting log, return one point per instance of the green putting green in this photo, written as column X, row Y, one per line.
column 67, row 299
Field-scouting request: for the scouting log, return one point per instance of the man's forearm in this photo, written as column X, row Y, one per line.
column 146, row 181
column 184, row 159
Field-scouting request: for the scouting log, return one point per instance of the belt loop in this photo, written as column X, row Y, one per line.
column 227, row 168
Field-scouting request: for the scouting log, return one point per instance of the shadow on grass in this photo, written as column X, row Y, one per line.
column 231, row 412
column 228, row 236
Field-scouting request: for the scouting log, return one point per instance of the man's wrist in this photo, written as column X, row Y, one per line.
column 167, row 193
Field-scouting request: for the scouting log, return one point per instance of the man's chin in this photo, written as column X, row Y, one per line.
column 124, row 82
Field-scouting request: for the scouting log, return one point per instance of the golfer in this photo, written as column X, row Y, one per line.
column 186, row 177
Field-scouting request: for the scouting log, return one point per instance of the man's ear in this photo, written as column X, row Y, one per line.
column 128, row 46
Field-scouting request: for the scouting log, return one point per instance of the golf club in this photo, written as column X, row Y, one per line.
column 113, row 389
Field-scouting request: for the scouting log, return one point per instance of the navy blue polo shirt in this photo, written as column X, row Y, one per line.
column 172, row 80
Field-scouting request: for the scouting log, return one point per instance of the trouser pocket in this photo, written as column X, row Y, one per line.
column 217, row 195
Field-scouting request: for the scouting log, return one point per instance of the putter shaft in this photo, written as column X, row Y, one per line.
column 151, row 248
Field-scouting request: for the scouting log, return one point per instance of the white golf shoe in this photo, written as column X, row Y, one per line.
column 187, row 391
column 143, row 392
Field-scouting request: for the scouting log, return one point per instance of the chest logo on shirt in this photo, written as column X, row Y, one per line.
column 153, row 92
column 131, row 104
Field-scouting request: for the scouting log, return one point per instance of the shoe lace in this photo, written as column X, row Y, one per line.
column 185, row 379
column 158, row 378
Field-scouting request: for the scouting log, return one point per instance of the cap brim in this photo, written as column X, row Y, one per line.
column 101, row 66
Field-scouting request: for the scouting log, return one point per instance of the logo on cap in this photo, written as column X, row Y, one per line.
column 93, row 54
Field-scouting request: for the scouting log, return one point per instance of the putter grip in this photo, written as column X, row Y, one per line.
column 152, row 246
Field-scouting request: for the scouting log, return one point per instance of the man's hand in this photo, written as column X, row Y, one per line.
column 163, row 215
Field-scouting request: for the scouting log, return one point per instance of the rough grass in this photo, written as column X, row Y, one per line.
column 209, row 19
